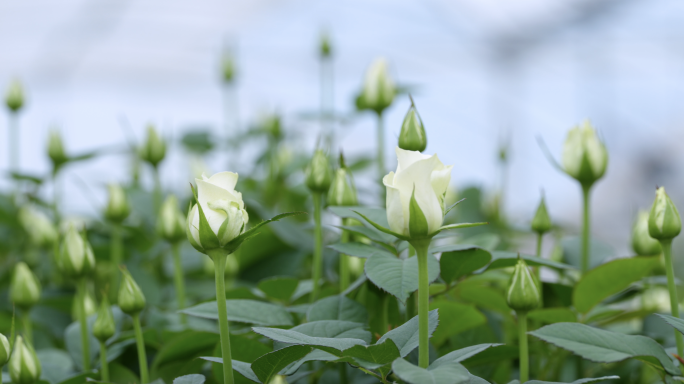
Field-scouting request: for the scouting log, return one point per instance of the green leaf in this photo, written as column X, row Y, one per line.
column 452, row 206
column 676, row 323
column 382, row 229
column 190, row 379
column 378, row 215
column 464, row 353
column 337, row 308
column 459, row 226
column 78, row 379
column 244, row 311
column 270, row 364
column 358, row 249
column 458, row 263
column 610, row 278
column 483, row 296
column 405, row 336
column 184, row 346
column 604, row 346
column 552, row 315
column 378, row 354
column 241, row 367
column 330, row 345
column 57, row 364
column 399, row 277
column 580, row 381
column 279, row 288
column 335, row 329
column 493, row 355
column 236, row 242
column 502, row 259
column 465, row 317
column 443, row 373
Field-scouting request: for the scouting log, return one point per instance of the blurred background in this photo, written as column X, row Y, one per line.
column 486, row 76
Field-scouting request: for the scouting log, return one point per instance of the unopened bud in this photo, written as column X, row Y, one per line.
column 523, row 290
column 42, row 233
column 104, row 327
column 541, row 222
column 56, row 150
column 342, row 191
column 118, row 208
column 663, row 221
column 378, row 88
column 14, row 99
column 24, row 288
column 5, row 350
column 228, row 68
column 319, row 173
column 584, row 156
column 88, row 303
column 325, row 47
column 154, row 148
column 412, row 136
column 642, row 242
column 131, row 299
column 76, row 258
column 24, row 366
column 171, row 222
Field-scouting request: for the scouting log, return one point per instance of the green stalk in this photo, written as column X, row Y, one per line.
column 540, row 236
column 585, row 228
column 26, row 320
column 55, row 195
column 672, row 287
column 344, row 261
column 14, row 141
column 522, row 340
column 318, row 246
column 157, row 191
column 423, row 302
column 219, row 257
column 381, row 153
column 104, row 365
column 140, row 343
column 115, row 255
column 178, row 279
column 82, row 319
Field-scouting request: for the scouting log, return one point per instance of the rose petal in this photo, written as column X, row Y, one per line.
column 225, row 180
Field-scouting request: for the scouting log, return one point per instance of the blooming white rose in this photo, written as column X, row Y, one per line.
column 429, row 178
column 584, row 156
column 220, row 203
column 378, row 87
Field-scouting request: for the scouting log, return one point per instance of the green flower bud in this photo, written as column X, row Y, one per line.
column 118, row 208
column 228, row 68
column 584, row 156
column 325, row 47
column 319, row 174
column 56, row 150
column 378, row 88
column 541, row 222
column 171, row 222
column 273, row 126
column 663, row 221
column 5, row 350
column 642, row 243
column 24, row 288
column 89, row 304
column 523, row 290
column 342, row 191
column 131, row 299
column 15, row 96
column 154, row 148
column 38, row 226
column 412, row 136
column 104, row 327
column 76, row 257
column 24, row 366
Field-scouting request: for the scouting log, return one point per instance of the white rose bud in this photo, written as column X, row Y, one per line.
column 424, row 180
column 42, row 233
column 223, row 208
column 378, row 87
column 584, row 156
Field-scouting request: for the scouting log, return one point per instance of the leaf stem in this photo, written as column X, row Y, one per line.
column 344, row 260
column 586, row 188
column 318, row 246
column 423, row 302
column 104, row 365
column 116, row 251
column 219, row 257
column 82, row 319
column 524, row 353
column 142, row 355
column 178, row 279
column 672, row 287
